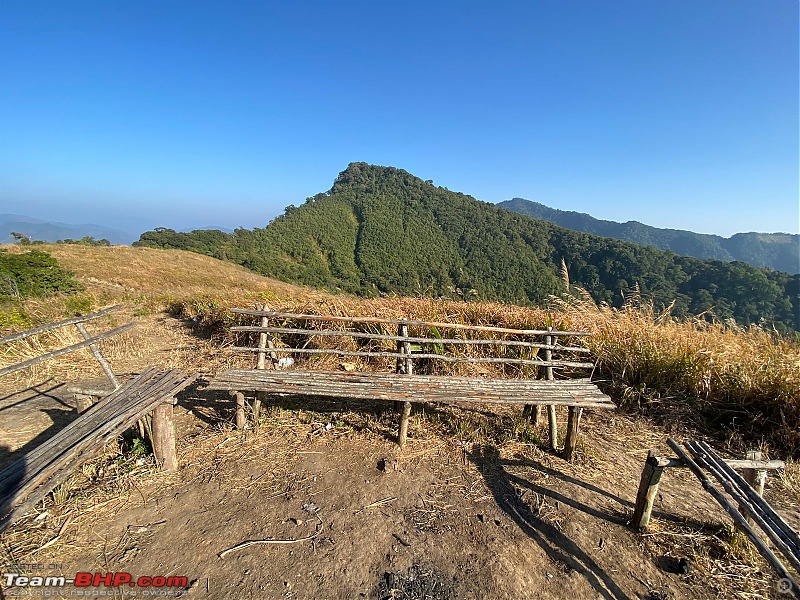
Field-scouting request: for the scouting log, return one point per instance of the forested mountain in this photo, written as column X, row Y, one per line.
column 778, row 251
column 380, row 229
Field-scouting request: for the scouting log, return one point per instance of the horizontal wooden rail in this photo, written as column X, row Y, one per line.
column 50, row 326
column 338, row 319
column 769, row 465
column 67, row 350
column 400, row 338
column 450, row 359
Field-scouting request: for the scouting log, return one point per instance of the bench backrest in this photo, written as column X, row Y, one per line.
column 88, row 341
column 407, row 340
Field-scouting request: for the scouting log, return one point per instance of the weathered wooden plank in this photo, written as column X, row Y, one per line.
column 411, row 388
column 411, row 339
column 50, row 326
column 67, row 350
column 449, row 359
column 29, row 495
column 341, row 319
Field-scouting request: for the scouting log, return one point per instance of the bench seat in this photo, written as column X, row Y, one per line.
column 30, row 478
column 414, row 388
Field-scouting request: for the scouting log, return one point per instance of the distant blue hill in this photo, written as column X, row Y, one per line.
column 778, row 251
column 52, row 231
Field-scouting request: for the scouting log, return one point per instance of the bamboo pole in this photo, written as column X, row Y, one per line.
column 99, row 357
column 67, row 350
column 414, row 340
column 407, row 368
column 551, row 408
column 762, row 548
column 450, row 359
column 50, row 326
column 245, row 311
column 778, row 530
column 261, row 365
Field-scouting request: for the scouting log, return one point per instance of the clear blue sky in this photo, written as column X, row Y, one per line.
column 676, row 113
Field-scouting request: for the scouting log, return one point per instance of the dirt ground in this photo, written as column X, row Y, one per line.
column 342, row 513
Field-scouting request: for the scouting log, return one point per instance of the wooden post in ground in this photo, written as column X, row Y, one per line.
column 264, row 342
column 757, row 478
column 406, row 366
column 164, row 436
column 241, row 418
column 551, row 408
column 571, row 440
column 83, row 402
column 648, row 490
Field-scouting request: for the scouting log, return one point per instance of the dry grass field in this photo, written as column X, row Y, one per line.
column 476, row 506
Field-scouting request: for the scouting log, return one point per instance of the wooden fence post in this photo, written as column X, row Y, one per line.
column 551, row 408
column 757, row 478
column 164, row 436
column 241, row 418
column 406, row 366
column 264, row 341
column 571, row 440
column 648, row 489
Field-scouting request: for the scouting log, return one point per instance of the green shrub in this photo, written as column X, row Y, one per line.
column 33, row 274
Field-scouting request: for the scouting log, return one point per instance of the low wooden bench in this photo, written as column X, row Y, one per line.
column 29, row 479
column 513, row 349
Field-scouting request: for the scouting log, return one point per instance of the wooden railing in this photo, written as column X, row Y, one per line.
column 88, row 341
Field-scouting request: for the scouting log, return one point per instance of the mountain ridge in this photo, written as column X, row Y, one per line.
column 778, row 251
column 52, row 231
column 381, row 230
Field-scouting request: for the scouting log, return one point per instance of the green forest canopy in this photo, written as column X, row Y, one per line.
column 382, row 230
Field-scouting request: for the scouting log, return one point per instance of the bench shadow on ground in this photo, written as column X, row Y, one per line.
column 558, row 547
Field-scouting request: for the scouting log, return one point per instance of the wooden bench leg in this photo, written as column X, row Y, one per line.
column 241, row 417
column 401, row 437
column 83, row 402
column 648, row 490
column 533, row 412
column 571, row 439
column 551, row 418
column 257, row 403
column 164, row 437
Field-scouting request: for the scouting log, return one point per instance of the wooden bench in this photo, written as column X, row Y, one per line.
column 30, row 478
column 513, row 349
